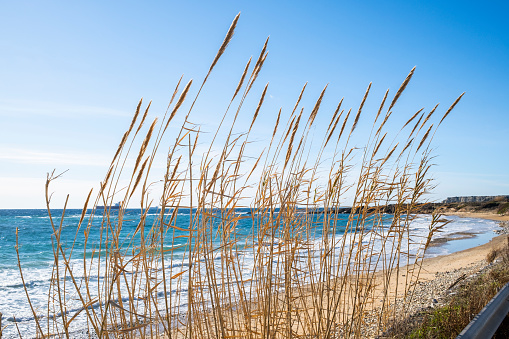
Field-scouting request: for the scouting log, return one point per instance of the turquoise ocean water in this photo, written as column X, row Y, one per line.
column 35, row 237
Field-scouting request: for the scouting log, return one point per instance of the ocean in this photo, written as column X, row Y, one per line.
column 36, row 246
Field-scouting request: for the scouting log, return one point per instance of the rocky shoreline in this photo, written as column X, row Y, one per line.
column 498, row 206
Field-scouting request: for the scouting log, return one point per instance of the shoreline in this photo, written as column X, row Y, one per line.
column 470, row 239
column 467, row 257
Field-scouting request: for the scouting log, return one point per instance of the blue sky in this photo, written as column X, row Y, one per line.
column 72, row 73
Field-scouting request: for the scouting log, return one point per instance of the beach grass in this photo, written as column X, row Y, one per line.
column 307, row 280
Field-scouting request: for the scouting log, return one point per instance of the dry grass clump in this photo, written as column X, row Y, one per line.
column 312, row 270
column 491, row 255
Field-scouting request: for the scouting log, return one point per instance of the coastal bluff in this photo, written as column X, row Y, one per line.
column 476, row 198
column 495, row 205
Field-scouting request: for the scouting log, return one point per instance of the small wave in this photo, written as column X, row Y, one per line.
column 178, row 265
column 75, row 216
column 32, row 283
column 21, row 319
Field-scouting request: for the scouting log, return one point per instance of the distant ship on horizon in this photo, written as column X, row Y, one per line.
column 113, row 207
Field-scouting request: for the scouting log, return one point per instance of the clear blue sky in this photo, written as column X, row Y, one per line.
column 72, row 72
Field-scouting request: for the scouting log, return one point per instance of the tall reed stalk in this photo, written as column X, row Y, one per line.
column 315, row 271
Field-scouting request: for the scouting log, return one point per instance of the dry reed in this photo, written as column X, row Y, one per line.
column 315, row 272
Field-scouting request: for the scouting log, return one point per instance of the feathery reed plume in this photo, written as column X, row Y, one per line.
column 259, row 106
column 314, row 112
column 294, row 130
column 379, row 144
column 383, row 122
column 402, row 88
column 135, row 117
column 258, row 66
column 416, row 125
column 333, row 128
column 298, row 99
column 138, row 178
column 227, row 39
column 381, row 106
column 290, row 128
column 424, row 137
column 344, row 124
column 256, row 71
column 334, row 118
column 277, row 123
column 108, row 174
column 406, row 146
column 144, row 144
column 412, row 118
column 143, row 118
column 451, row 108
column 178, row 104
column 357, row 116
column 428, row 116
column 261, row 57
column 84, row 211
column 174, row 94
column 120, row 146
column 220, row 52
column 390, row 153
column 239, row 86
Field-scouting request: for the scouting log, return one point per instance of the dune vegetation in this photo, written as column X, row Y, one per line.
column 313, row 272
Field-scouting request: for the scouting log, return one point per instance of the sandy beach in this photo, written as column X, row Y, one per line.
column 481, row 215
